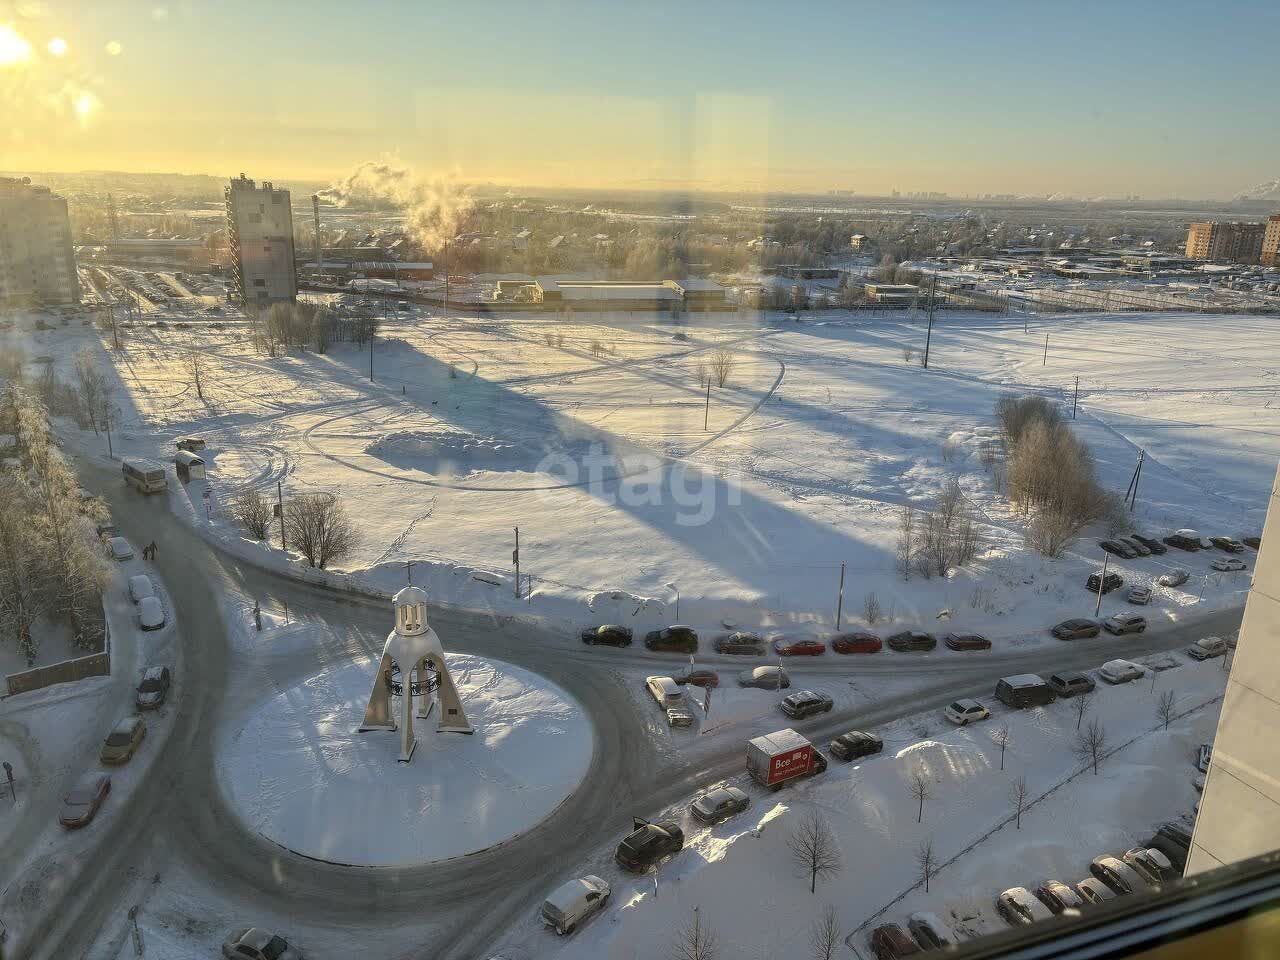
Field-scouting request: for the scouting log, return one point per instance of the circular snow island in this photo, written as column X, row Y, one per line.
column 298, row 772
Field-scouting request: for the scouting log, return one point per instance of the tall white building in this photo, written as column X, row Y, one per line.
column 37, row 264
column 260, row 233
column 1240, row 810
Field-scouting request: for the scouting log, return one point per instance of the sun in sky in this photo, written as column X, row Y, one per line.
column 14, row 48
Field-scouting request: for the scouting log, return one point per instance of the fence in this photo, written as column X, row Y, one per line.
column 67, row 671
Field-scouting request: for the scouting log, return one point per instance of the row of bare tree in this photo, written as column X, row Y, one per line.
column 286, row 326
column 717, row 369
column 933, row 542
column 317, row 525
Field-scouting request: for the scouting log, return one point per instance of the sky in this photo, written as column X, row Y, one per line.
column 1157, row 99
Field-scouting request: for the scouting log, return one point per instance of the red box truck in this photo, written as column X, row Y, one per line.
column 775, row 758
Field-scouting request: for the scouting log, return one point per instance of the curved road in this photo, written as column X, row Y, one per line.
column 179, row 811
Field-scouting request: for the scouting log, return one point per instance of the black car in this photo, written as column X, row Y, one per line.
column 153, row 688
column 609, row 634
column 1151, row 543
column 1068, row 683
column 1118, row 549
column 1229, row 544
column 648, row 843
column 966, row 641
column 912, row 640
column 855, row 744
column 805, row 703
column 676, row 638
column 1137, row 546
column 1111, row 582
column 1174, row 842
column 741, row 642
column 1254, row 542
column 1077, row 628
column 1183, row 542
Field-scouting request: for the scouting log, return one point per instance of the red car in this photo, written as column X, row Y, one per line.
column 697, row 677
column 859, row 641
column 799, row 648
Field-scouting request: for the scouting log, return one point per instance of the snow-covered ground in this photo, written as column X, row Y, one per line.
column 631, row 491
column 968, row 816
column 299, row 773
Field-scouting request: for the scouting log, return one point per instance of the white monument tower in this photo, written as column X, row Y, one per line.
column 413, row 663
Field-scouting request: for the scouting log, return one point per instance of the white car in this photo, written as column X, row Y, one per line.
column 1094, row 892
column 141, row 587
column 1207, row 647
column 1140, row 595
column 679, row 715
column 966, row 711
column 665, row 691
column 1019, row 908
column 1204, row 756
column 121, row 549
column 150, row 613
column 1174, row 578
column 1119, row 671
column 1152, row 865
column 1228, row 565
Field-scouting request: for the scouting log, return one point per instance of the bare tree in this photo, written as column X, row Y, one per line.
column 723, row 363
column 89, row 383
column 825, row 934
column 920, row 787
column 906, row 540
column 1001, row 739
column 597, row 348
column 1018, row 796
column 1091, row 744
column 908, row 353
column 317, row 526
column 1167, row 708
column 195, row 369
column 21, row 600
column 252, row 511
column 703, row 373
column 813, row 847
column 926, row 862
column 696, row 940
column 1080, row 704
column 871, row 611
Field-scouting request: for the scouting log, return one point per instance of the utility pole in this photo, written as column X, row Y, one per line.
column 280, row 510
column 107, row 424
column 933, row 286
column 840, row 597
column 371, row 336
column 409, row 571
column 706, row 415
column 446, row 276
column 1102, row 579
column 515, row 558
column 1045, row 361
column 1137, row 475
column 1075, row 399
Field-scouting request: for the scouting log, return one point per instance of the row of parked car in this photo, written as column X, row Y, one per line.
column 681, row 638
column 1135, row 545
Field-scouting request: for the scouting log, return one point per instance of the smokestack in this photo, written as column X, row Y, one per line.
column 315, row 215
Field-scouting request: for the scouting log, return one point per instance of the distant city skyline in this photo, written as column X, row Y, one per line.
column 1094, row 100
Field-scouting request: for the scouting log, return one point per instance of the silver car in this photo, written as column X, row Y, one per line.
column 254, row 943
column 719, row 805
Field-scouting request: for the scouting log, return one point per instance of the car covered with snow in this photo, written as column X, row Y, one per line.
column 966, row 641
column 1094, row 892
column 648, row 843
column 1228, row 565
column 150, row 613
column 254, row 943
column 573, row 902
column 719, row 805
column 805, row 703
column 1123, row 623
column 1117, row 875
column 1119, row 671
column 1174, row 578
column 1207, row 647
column 929, row 930
column 765, row 678
column 855, row 744
column 1184, row 539
column 141, row 587
column 912, row 641
column 1019, row 908
column 679, row 715
column 607, row 634
column 1139, row 595
column 1077, row 628
column 741, row 643
column 82, row 801
column 664, row 690
column 963, row 712
column 1204, row 756
column 121, row 549
column 1150, row 864
column 856, row 641
column 1057, row 896
column 676, row 638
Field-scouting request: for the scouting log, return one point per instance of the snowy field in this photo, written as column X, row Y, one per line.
column 1075, row 816
column 631, row 490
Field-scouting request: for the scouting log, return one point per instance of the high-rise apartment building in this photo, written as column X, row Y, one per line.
column 1271, row 242
column 260, row 234
column 1234, row 242
column 37, row 263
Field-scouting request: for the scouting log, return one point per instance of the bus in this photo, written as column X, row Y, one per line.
column 145, row 475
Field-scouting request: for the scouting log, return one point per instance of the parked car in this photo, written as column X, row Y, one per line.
column 123, row 741
column 254, row 943
column 1228, row 565
column 1184, row 539
column 1229, row 544
column 1118, row 548
column 1137, row 546
column 856, row 641
column 1057, row 896
column 82, row 801
column 152, row 688
column 1117, row 875
column 930, row 932
column 1174, row 841
column 1068, row 683
column 1151, row 543
column 1094, row 892
column 1254, row 542
column 740, row 642
column 679, row 715
column 799, row 647
column 1174, row 578
column 676, row 638
column 1150, row 864
column 608, row 634
column 141, row 587
column 966, row 641
column 765, row 678
column 1111, row 581
column 697, row 677
column 1024, row 690
column 963, row 712
column 719, row 805
column 1119, row 671
column 909, row 640
column 120, row 548
column 805, row 703
column 647, row 843
column 1077, row 628
column 889, row 942
column 574, row 902
column 1204, row 756
column 854, row 745
column 107, row 530
column 665, row 691
column 1123, row 623
column 1139, row 595
column 1207, row 647
column 1019, row 908
column 150, row 614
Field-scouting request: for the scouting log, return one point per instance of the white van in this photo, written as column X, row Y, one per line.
column 141, row 587
column 665, row 691
column 573, row 903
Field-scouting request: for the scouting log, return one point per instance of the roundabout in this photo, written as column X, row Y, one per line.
column 298, row 772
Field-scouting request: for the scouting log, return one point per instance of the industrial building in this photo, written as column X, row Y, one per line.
column 892, row 294
column 1271, row 242
column 260, row 234
column 37, row 263
column 666, row 295
column 1230, row 242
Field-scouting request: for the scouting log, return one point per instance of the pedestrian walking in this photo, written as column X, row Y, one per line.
column 153, row 551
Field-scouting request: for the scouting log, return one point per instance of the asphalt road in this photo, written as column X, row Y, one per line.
column 178, row 816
